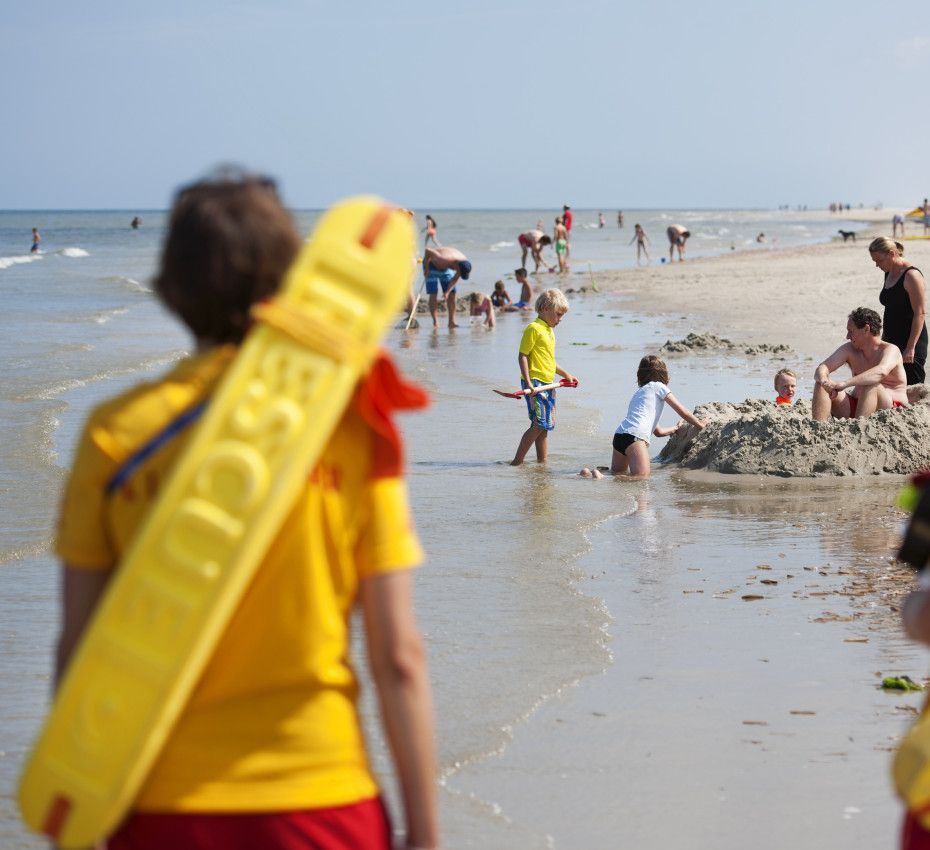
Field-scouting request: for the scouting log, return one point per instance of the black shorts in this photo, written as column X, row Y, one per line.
column 623, row 441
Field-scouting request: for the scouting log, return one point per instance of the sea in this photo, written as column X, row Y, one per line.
column 600, row 679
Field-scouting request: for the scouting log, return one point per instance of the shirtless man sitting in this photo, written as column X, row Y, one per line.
column 443, row 267
column 878, row 381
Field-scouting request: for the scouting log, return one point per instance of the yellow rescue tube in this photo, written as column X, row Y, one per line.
column 170, row 599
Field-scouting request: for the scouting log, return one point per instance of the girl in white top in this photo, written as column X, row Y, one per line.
column 631, row 441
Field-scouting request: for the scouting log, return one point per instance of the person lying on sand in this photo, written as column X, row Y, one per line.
column 878, row 381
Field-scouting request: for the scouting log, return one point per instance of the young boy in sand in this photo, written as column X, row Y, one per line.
column 526, row 291
column 538, row 367
column 500, row 298
column 786, row 385
column 268, row 751
column 480, row 305
column 631, row 440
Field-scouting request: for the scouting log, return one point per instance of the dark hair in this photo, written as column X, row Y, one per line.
column 651, row 368
column 521, row 271
column 229, row 243
column 545, row 240
column 863, row 316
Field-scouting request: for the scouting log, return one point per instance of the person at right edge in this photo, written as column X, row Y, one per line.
column 902, row 296
column 269, row 751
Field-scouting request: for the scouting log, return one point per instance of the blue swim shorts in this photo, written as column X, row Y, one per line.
column 522, row 304
column 439, row 277
column 540, row 406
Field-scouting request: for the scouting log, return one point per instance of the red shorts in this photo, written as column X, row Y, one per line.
column 524, row 241
column 913, row 835
column 854, row 403
column 359, row 826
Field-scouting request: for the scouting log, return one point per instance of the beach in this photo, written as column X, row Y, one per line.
column 691, row 659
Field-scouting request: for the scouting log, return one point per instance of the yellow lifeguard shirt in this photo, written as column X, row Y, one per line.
column 272, row 725
column 538, row 345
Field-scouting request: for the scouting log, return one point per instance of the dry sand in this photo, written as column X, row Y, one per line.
column 776, row 303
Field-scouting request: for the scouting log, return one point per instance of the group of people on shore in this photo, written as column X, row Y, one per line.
column 269, row 751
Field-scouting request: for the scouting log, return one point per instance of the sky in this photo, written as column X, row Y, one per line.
column 473, row 104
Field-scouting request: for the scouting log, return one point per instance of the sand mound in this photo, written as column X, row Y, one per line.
column 708, row 342
column 759, row 438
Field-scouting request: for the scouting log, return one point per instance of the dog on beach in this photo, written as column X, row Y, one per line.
column 848, row 234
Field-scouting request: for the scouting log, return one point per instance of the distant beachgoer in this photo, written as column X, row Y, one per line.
column 620, row 220
column 526, row 291
column 443, row 267
column 760, row 238
column 532, row 242
column 601, row 221
column 786, row 385
column 640, row 238
column 500, row 298
column 677, row 236
column 538, row 367
column 878, row 382
column 926, row 208
column 567, row 221
column 631, row 440
column 480, row 305
column 134, row 224
column 896, row 222
column 560, row 237
column 903, row 297
column 430, row 230
column 36, row 239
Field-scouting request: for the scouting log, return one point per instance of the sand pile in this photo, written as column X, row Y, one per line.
column 759, row 438
column 708, row 342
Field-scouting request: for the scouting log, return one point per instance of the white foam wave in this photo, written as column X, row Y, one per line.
column 104, row 317
column 128, row 283
column 73, row 252
column 499, row 246
column 6, row 262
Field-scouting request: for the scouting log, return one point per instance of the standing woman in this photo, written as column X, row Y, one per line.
column 902, row 296
column 430, row 232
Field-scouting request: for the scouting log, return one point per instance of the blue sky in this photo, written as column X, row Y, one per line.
column 469, row 104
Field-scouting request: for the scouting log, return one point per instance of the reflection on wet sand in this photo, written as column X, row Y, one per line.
column 854, row 522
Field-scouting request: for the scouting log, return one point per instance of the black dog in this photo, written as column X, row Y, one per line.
column 848, row 234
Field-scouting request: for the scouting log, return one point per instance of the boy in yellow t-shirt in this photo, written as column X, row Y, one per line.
column 538, row 367
column 269, row 750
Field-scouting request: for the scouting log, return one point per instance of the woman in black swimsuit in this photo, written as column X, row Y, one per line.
column 903, row 299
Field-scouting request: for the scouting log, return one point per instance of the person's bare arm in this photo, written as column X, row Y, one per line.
column 398, row 667
column 80, row 594
column 524, row 363
column 567, row 375
column 831, row 364
column 890, row 358
column 914, row 286
column 682, row 411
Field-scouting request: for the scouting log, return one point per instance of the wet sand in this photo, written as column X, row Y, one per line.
column 749, row 619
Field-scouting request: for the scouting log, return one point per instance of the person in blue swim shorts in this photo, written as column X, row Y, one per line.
column 443, row 267
column 538, row 368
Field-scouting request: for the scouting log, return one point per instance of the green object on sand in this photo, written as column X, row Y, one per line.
column 900, row 683
column 908, row 498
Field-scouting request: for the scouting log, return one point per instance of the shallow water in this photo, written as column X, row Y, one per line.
column 547, row 599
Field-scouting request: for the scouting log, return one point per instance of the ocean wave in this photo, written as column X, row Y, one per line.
column 6, row 262
column 128, row 283
column 73, row 252
column 103, row 317
column 499, row 246
column 51, row 391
